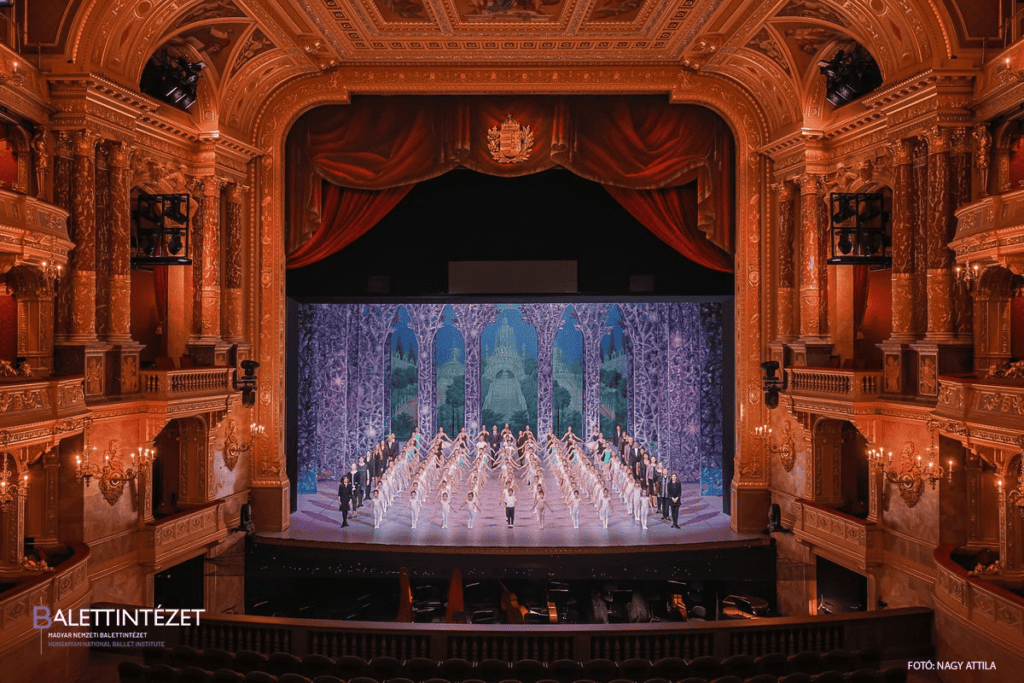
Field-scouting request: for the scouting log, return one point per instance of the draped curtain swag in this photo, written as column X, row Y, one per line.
column 669, row 165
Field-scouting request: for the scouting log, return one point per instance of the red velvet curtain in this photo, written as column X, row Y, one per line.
column 668, row 214
column 160, row 294
column 631, row 143
column 347, row 215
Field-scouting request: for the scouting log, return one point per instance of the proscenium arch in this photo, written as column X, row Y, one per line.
column 738, row 108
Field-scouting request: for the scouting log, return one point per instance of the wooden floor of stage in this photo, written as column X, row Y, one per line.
column 318, row 521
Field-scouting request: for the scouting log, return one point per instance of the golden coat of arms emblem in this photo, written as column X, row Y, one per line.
column 511, row 142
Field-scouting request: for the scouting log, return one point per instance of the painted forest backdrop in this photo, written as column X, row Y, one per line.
column 655, row 368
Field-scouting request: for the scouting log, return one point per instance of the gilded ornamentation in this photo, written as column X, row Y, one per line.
column 511, row 142
column 787, row 447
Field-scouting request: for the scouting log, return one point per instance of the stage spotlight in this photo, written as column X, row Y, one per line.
column 247, row 383
column 848, row 75
column 173, row 80
column 771, row 383
column 160, row 227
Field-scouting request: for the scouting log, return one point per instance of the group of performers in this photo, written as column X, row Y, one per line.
column 450, row 471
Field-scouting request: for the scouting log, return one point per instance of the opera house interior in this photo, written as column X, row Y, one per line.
column 725, row 298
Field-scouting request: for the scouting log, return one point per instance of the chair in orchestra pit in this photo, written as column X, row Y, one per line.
column 228, row 676
column 492, row 670
column 706, row 667
column 742, row 666
column 837, row 660
column 383, row 668
column 193, row 674
column 565, row 670
column 774, row 663
column 350, row 666
column 248, row 660
column 600, row 670
column 455, row 669
column 131, row 672
column 805, row 663
column 317, row 665
column 760, row 678
column 672, row 668
column 635, row 669
column 214, row 658
column 528, row 670
column 420, row 668
column 868, row 658
column 281, row 663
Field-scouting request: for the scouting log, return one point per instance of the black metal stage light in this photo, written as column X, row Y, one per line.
column 859, row 229
column 848, row 75
column 772, row 384
column 160, row 227
column 247, row 383
column 173, row 80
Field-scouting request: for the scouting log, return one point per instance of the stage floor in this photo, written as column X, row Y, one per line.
column 318, row 521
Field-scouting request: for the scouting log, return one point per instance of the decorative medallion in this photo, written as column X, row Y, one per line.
column 511, row 142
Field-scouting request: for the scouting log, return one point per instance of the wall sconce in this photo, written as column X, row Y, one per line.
column 10, row 491
column 52, row 272
column 967, row 275
column 114, row 473
column 786, row 450
column 247, row 383
column 908, row 473
column 233, row 449
column 772, row 384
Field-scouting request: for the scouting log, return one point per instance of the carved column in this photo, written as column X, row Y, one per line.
column 62, row 178
column 205, row 345
column 642, row 328
column 903, row 276
column 963, row 313
column 546, row 319
column 939, row 256
column 590, row 321
column 785, row 301
column 81, row 352
column 471, row 320
column 813, row 347
column 51, row 473
column 1010, row 525
column 231, row 295
column 424, row 321
column 12, row 519
column 124, row 358
column 104, row 242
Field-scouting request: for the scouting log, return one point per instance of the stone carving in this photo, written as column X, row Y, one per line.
column 787, row 447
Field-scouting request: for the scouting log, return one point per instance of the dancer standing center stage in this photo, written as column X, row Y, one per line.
column 578, row 471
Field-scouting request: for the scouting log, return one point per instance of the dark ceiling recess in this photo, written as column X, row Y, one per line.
column 850, row 74
column 171, row 79
column 469, row 216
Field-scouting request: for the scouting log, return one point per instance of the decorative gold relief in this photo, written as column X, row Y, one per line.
column 233, row 449
column 511, row 142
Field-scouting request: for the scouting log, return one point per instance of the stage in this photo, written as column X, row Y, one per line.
column 317, row 522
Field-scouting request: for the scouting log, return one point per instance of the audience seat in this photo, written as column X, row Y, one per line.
column 492, row 670
column 131, row 672
column 383, row 668
column 775, row 663
column 600, row 670
column 260, row 677
column 694, row 679
column 565, row 670
column 805, row 663
column 837, row 660
column 283, row 663
column 214, row 658
column 742, row 666
column 861, row 676
column 528, row 670
column 317, row 665
column 420, row 668
column 762, row 678
column 183, row 656
column 635, row 669
column 706, row 667
column 400, row 679
column 672, row 668
column 728, row 679
column 152, row 654
column 828, row 677
column 164, row 673
column 363, row 679
column 350, row 666
column 227, row 676
column 797, row 677
column 868, row 658
column 327, row 678
column 455, row 669
column 292, row 677
column 893, row 674
column 248, row 660
column 195, row 674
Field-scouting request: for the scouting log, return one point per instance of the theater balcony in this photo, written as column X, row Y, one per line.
column 189, row 391
column 33, row 401
column 831, row 391
column 838, row 536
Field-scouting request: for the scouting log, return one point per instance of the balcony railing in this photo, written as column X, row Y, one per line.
column 900, row 633
column 990, row 229
column 854, row 538
column 179, row 534
column 994, row 402
column 980, row 605
column 33, row 230
column 65, row 587
column 39, row 400
column 849, row 385
column 168, row 385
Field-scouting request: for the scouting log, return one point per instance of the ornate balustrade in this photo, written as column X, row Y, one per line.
column 66, row 587
column 898, row 633
column 34, row 401
column 857, row 540
column 978, row 604
column 849, row 385
column 32, row 231
column 172, row 538
column 168, row 385
column 990, row 231
column 975, row 404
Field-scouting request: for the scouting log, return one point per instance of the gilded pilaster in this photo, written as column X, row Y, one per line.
column 787, row 324
column 904, row 279
column 231, row 295
column 939, row 257
column 83, row 258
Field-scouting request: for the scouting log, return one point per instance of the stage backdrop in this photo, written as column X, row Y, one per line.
column 367, row 369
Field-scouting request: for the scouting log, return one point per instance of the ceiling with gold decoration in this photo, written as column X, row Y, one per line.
column 252, row 47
